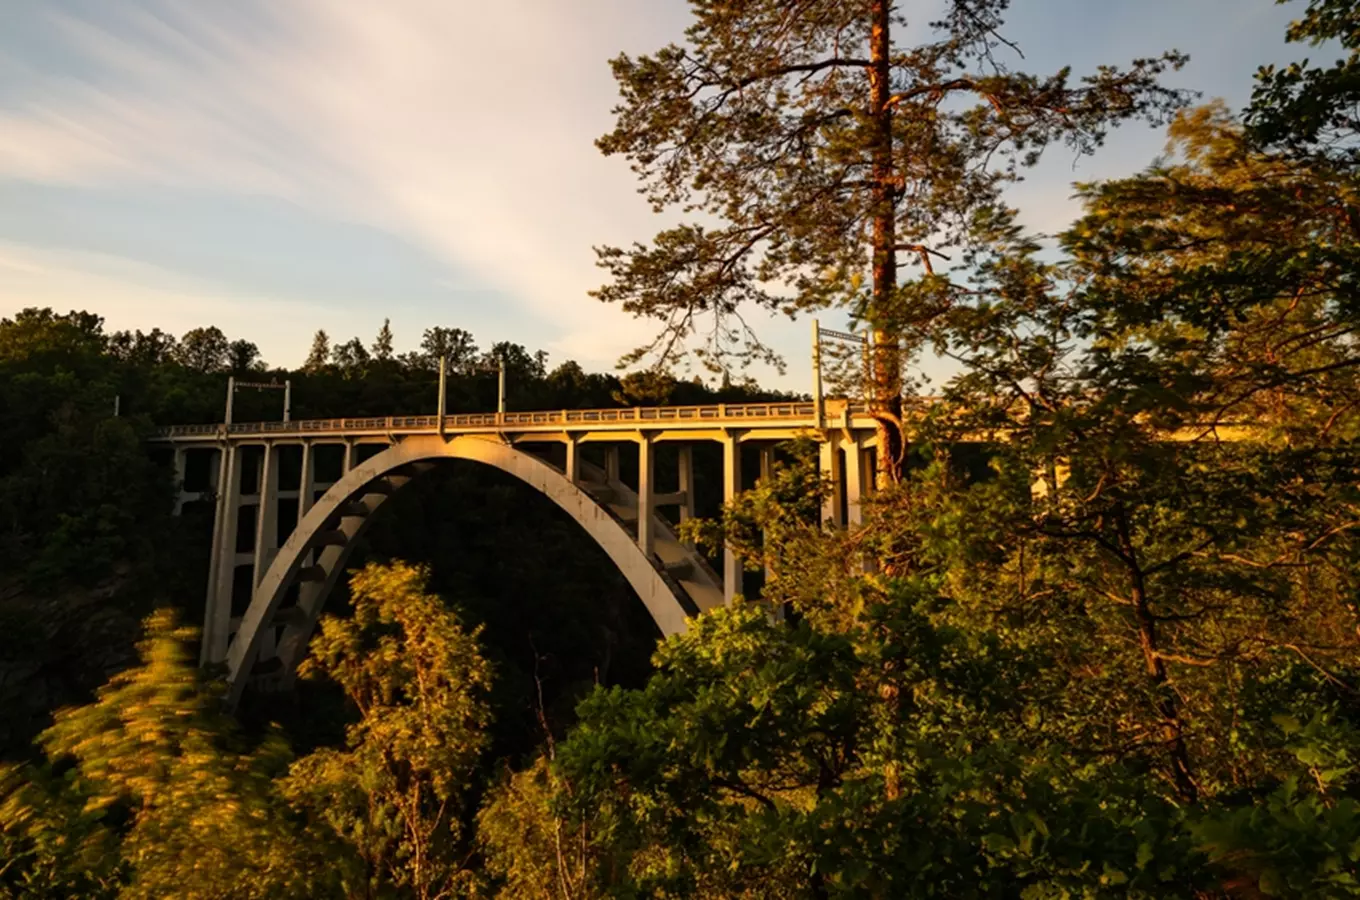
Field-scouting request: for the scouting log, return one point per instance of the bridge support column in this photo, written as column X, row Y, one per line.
column 217, row 611
column 766, row 473
column 306, row 483
column 349, row 459
column 854, row 481
column 611, row 463
column 573, row 465
column 181, row 467
column 830, row 463
column 732, row 569
column 685, row 481
column 646, row 494
column 267, row 529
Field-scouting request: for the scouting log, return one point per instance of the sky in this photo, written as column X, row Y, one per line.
column 277, row 166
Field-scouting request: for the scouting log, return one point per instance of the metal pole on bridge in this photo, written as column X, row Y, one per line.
column 817, row 372
column 231, row 397
column 443, row 375
column 500, row 401
column 288, row 401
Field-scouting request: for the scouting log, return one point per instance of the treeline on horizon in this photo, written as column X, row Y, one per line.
column 1119, row 658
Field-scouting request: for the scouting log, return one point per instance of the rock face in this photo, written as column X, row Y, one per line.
column 56, row 648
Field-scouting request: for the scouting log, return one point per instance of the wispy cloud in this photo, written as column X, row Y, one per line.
column 464, row 128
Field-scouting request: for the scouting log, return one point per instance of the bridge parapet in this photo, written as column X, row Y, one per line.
column 738, row 415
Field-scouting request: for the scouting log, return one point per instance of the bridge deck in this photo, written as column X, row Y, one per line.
column 785, row 416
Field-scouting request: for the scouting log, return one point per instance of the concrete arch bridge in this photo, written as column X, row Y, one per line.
column 285, row 521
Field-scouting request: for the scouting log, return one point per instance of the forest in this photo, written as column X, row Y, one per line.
column 1098, row 634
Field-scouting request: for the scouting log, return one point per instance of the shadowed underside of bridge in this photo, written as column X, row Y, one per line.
column 672, row 581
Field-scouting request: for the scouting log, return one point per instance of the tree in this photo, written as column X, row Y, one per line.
column 1308, row 109
column 418, row 681
column 825, row 148
column 350, row 357
column 895, row 759
column 204, row 350
column 41, row 339
column 243, row 356
column 532, row 847
column 382, row 344
column 1172, row 503
column 166, row 801
column 453, row 345
column 320, row 354
column 150, row 349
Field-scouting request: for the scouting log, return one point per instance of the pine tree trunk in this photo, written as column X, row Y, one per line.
column 885, row 402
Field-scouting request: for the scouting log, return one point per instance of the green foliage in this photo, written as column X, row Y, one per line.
column 1302, row 838
column 148, row 778
column 767, row 759
column 1099, row 641
column 532, row 848
column 206, row 350
column 822, row 146
column 1312, row 109
column 419, row 683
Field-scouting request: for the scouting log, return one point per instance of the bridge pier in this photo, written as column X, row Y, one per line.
column 685, row 485
column 732, row 567
column 217, row 611
column 646, row 495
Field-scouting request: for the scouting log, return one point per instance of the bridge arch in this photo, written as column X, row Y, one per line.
column 330, row 529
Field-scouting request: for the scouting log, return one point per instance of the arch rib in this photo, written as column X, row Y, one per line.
column 334, row 523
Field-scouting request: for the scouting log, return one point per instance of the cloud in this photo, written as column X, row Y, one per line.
column 139, row 295
column 465, row 128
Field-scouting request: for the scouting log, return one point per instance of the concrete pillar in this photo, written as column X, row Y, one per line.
column 267, row 532
column 766, row 473
column 646, row 494
column 181, row 467
column 731, row 486
column 611, row 463
column 829, row 453
column 854, row 483
column 217, row 615
column 216, row 477
column 306, row 482
column 349, row 459
column 573, row 466
column 267, row 513
column 686, row 482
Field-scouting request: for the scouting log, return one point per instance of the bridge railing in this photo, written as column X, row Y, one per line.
column 714, row 412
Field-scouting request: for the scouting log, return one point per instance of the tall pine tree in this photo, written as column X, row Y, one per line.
column 320, row 355
column 382, row 344
column 824, row 147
